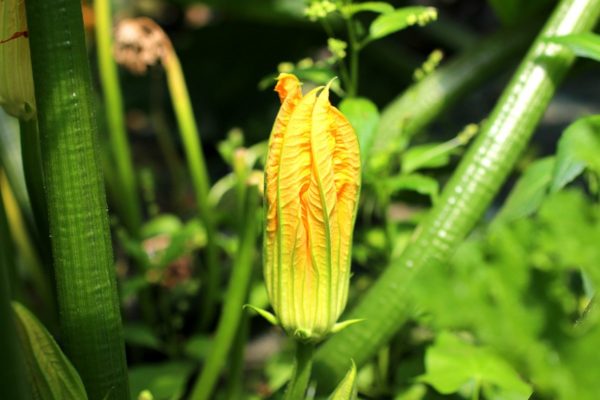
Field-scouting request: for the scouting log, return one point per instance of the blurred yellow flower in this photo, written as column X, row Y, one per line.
column 312, row 183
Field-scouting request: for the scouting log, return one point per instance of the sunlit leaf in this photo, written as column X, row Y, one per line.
column 372, row 6
column 578, row 148
column 402, row 18
column 584, row 44
column 347, row 389
column 364, row 116
column 165, row 381
column 529, row 191
column 452, row 363
column 414, row 182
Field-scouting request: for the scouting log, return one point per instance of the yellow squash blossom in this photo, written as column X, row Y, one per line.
column 16, row 79
column 312, row 183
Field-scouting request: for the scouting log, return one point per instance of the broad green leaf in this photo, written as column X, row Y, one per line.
column 198, row 347
column 364, row 116
column 529, row 191
column 452, row 364
column 414, row 182
column 579, row 146
column 165, row 381
column 51, row 375
column 402, row 18
column 372, row 6
column 347, row 389
column 583, row 44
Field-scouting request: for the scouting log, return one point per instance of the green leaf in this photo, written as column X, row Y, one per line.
column 414, row 182
column 585, row 44
column 452, row 363
column 372, row 6
column 578, row 148
column 347, row 389
column 164, row 381
column 430, row 155
column 402, row 18
column 529, row 191
column 364, row 117
column 50, row 373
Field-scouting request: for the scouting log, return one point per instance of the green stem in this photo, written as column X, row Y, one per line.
column 298, row 384
column 131, row 210
column 200, row 180
column 424, row 101
column 236, row 295
column 469, row 192
column 81, row 244
column 12, row 375
column 235, row 378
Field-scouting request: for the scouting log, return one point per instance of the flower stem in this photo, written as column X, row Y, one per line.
column 131, row 211
column 235, row 298
column 90, row 319
column 298, row 384
column 200, row 180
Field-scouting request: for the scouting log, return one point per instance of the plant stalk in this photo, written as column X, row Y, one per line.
column 131, row 210
column 77, row 212
column 465, row 198
column 235, row 298
column 200, row 180
column 298, row 384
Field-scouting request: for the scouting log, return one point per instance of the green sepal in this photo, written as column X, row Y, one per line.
column 347, row 389
column 264, row 313
column 344, row 324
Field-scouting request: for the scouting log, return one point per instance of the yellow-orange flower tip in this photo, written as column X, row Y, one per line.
column 312, row 183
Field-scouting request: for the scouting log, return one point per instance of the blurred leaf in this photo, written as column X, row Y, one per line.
column 430, row 155
column 198, row 346
column 190, row 237
column 578, row 147
column 452, row 363
column 402, row 18
column 51, row 375
column 414, row 182
column 364, row 116
column 583, row 44
column 141, row 336
column 165, row 381
column 163, row 224
column 529, row 191
column 373, row 6
column 346, row 390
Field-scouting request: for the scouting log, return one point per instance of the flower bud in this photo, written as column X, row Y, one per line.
column 16, row 78
column 312, row 183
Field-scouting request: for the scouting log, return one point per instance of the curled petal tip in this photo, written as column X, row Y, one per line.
column 287, row 84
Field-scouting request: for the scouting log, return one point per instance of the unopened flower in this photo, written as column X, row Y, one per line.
column 140, row 43
column 312, row 182
column 16, row 78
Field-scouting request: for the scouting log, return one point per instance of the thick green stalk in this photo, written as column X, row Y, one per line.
column 235, row 298
column 200, row 180
column 131, row 211
column 423, row 102
column 298, row 384
column 466, row 196
column 81, row 244
column 12, row 373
